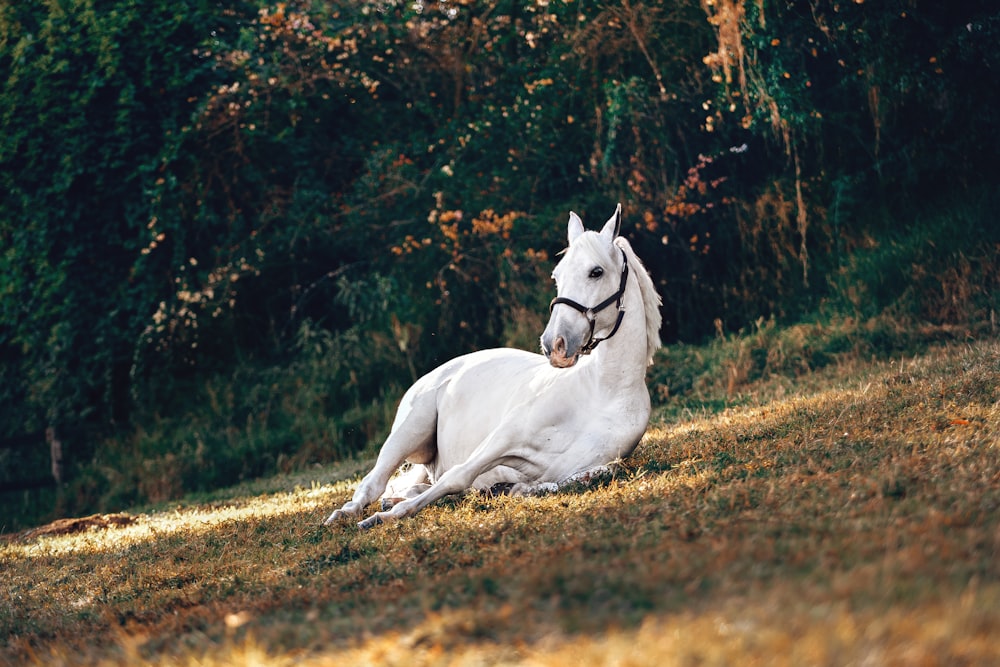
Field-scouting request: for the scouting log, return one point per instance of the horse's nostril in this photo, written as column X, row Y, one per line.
column 559, row 346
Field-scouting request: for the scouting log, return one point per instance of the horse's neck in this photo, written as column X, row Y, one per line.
column 622, row 359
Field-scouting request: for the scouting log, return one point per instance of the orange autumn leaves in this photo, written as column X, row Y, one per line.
column 453, row 236
column 698, row 194
column 473, row 249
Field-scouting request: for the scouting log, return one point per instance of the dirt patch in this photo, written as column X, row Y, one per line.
column 77, row 525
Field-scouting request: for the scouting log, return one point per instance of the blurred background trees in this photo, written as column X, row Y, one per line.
column 233, row 232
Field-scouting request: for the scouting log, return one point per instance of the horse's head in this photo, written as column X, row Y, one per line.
column 590, row 283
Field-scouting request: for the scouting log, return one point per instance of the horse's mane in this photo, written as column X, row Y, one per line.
column 650, row 298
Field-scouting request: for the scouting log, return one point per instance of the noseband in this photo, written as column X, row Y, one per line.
column 591, row 313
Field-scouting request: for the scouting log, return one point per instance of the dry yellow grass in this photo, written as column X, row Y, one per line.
column 853, row 518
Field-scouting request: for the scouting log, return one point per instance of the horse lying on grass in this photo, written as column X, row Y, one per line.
column 523, row 420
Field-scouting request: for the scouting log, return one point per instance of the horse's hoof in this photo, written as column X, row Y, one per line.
column 370, row 522
column 387, row 503
column 333, row 518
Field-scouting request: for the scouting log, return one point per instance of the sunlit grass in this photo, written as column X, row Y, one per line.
column 852, row 520
column 187, row 521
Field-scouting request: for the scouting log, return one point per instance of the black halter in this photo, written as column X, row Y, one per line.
column 590, row 313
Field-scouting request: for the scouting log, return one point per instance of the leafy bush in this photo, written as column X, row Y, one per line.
column 91, row 96
column 199, row 199
column 941, row 267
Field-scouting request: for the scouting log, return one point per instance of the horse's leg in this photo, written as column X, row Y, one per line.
column 591, row 475
column 496, row 450
column 584, row 477
column 412, row 437
column 408, row 484
column 533, row 488
column 491, row 453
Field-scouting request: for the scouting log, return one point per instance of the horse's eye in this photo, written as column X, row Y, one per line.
column 596, row 272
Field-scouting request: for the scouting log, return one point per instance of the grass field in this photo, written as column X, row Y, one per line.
column 848, row 516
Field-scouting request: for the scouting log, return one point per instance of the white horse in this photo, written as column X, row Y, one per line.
column 531, row 422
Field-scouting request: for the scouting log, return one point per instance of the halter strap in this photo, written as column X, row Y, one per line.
column 590, row 313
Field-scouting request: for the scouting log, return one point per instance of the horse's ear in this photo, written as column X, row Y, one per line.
column 614, row 225
column 575, row 227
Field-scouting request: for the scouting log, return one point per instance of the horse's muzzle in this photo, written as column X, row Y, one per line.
column 557, row 356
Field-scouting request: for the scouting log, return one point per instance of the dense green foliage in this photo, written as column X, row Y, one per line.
column 231, row 232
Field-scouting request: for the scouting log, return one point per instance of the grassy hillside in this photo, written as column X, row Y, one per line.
column 844, row 515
